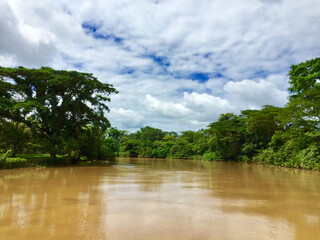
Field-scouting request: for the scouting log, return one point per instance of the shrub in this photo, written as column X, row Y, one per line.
column 4, row 156
column 211, row 156
column 309, row 158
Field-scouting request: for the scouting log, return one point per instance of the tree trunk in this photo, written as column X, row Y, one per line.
column 69, row 157
column 14, row 151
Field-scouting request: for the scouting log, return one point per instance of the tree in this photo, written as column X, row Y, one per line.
column 227, row 136
column 151, row 134
column 304, row 76
column 302, row 113
column 298, row 143
column 129, row 146
column 182, row 148
column 14, row 136
column 93, row 146
column 260, row 127
column 200, row 142
column 161, row 149
column 147, row 137
column 56, row 104
column 113, row 139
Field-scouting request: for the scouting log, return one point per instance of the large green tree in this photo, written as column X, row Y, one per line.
column 260, row 127
column 304, row 76
column 56, row 104
column 113, row 138
column 298, row 143
column 227, row 136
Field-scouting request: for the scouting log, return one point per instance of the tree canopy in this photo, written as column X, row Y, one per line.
column 55, row 104
column 63, row 112
column 305, row 76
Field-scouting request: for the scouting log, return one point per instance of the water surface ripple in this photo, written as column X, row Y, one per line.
column 160, row 199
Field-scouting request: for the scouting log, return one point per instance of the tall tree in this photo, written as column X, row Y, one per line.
column 55, row 104
column 303, row 110
column 304, row 76
column 260, row 127
column 298, row 145
column 227, row 136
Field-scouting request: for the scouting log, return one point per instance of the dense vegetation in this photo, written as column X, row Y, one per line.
column 288, row 136
column 53, row 111
column 62, row 114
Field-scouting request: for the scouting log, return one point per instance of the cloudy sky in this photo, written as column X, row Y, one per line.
column 177, row 64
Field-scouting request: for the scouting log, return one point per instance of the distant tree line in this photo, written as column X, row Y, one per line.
column 62, row 113
column 286, row 136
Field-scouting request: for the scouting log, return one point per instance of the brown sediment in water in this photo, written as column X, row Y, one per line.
column 160, row 199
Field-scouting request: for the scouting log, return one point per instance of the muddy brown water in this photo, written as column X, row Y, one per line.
column 160, row 199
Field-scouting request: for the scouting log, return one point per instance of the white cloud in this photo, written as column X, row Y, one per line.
column 125, row 119
column 19, row 48
column 251, row 94
column 167, row 109
column 207, row 107
column 195, row 108
column 160, row 44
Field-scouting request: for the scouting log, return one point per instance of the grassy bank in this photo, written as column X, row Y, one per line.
column 44, row 160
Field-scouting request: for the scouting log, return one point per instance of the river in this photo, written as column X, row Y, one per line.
column 160, row 199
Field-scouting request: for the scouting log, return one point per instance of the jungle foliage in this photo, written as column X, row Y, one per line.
column 62, row 113
column 53, row 111
column 288, row 136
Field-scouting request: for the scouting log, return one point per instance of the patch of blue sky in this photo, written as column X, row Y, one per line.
column 66, row 57
column 161, row 61
column 217, row 75
column 66, row 9
column 181, row 91
column 261, row 74
column 207, row 55
column 199, row 76
column 78, row 65
column 92, row 29
column 111, row 36
column 127, row 71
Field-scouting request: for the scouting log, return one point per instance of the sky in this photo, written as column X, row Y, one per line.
column 177, row 64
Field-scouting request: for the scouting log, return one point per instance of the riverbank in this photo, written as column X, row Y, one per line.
column 44, row 160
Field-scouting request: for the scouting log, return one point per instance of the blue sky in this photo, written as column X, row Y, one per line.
column 177, row 64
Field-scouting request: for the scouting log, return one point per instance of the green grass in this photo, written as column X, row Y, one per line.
column 43, row 160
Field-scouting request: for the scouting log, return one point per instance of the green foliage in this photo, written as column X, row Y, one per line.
column 129, row 146
column 32, row 160
column 15, row 136
column 56, row 105
column 51, row 108
column 296, row 143
column 161, row 149
column 93, row 146
column 182, row 148
column 4, row 156
column 113, row 138
column 227, row 136
column 201, row 143
column 151, row 134
column 211, row 156
column 16, row 160
column 305, row 76
column 309, row 158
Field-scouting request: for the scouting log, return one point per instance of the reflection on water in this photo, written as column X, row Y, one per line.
column 160, row 199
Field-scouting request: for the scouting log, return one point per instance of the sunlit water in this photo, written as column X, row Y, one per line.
column 160, row 199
